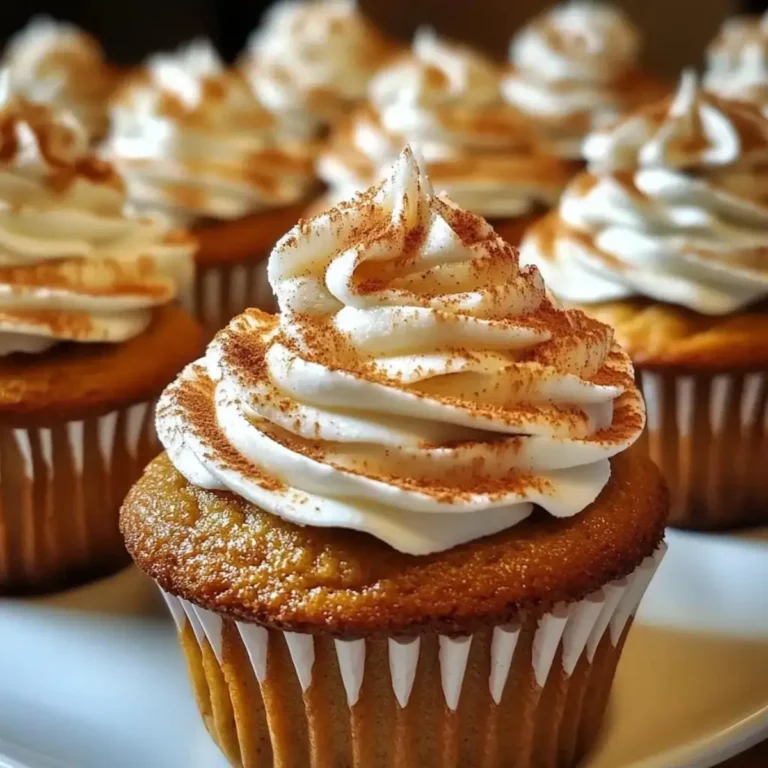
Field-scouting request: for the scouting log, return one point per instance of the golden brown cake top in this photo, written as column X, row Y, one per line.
column 225, row 554
column 674, row 208
column 665, row 335
column 76, row 381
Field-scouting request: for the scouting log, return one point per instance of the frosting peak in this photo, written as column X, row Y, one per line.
column 673, row 207
column 577, row 41
column 575, row 68
column 193, row 140
column 309, row 60
column 418, row 386
column 691, row 130
column 737, row 60
column 445, row 99
column 73, row 266
column 58, row 64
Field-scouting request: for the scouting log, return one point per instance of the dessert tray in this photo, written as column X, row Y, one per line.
column 93, row 678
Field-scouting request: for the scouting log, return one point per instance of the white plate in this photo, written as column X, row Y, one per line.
column 93, row 679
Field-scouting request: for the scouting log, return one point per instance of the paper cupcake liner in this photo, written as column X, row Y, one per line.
column 536, row 690
column 61, row 488
column 709, row 435
column 221, row 292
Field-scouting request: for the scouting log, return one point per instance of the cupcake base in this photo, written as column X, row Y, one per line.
column 60, row 492
column 528, row 694
column 709, row 435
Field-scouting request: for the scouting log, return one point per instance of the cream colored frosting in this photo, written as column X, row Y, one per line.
column 674, row 207
column 445, row 100
column 193, row 141
column 309, row 61
column 418, row 385
column 73, row 265
column 58, row 64
column 574, row 69
column 737, row 60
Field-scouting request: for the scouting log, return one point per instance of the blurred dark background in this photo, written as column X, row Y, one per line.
column 676, row 30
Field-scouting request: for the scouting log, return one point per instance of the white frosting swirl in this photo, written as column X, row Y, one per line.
column 193, row 141
column 674, row 208
column 309, row 61
column 445, row 100
column 737, row 60
column 574, row 69
column 418, row 385
column 73, row 266
column 56, row 63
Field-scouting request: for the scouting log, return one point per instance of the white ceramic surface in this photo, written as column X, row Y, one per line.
column 93, row 678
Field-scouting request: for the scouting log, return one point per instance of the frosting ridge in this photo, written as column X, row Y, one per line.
column 73, row 266
column 445, row 100
column 575, row 68
column 672, row 207
column 309, row 61
column 193, row 141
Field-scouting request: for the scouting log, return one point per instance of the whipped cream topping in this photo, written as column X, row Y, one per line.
column 59, row 64
column 737, row 60
column 418, row 385
column 73, row 266
column 575, row 68
column 194, row 142
column 445, row 100
column 674, row 207
column 309, row 61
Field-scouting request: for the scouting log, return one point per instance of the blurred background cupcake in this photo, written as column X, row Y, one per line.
column 574, row 68
column 89, row 336
column 402, row 522
column 665, row 237
column 310, row 62
column 57, row 63
column 737, row 60
column 194, row 143
column 446, row 100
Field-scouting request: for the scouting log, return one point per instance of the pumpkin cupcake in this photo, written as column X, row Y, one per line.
column 737, row 60
column 56, row 63
column 666, row 238
column 398, row 524
column 310, row 61
column 445, row 99
column 575, row 68
column 89, row 336
column 195, row 144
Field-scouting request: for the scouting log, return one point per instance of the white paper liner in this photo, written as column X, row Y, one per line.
column 577, row 628
column 709, row 435
column 61, row 487
column 221, row 292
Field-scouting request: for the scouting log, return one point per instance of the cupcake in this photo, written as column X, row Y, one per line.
column 575, row 68
column 194, row 143
column 311, row 62
column 666, row 238
column 737, row 60
column 401, row 522
column 445, row 99
column 58, row 64
column 89, row 336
